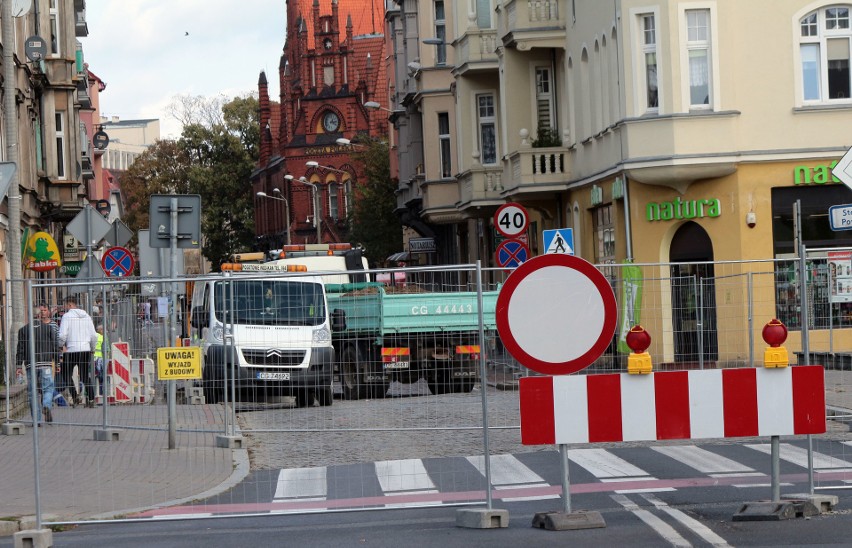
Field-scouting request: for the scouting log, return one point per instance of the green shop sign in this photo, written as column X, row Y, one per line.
column 682, row 209
column 71, row 268
column 819, row 175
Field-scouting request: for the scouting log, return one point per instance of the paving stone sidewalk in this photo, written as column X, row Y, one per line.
column 81, row 478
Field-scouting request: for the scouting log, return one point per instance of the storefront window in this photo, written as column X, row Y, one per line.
column 829, row 291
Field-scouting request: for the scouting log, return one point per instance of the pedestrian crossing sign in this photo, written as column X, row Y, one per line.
column 559, row 241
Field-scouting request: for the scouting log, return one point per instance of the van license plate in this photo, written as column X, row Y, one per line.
column 273, row 376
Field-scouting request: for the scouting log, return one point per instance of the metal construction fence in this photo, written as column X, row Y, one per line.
column 394, row 415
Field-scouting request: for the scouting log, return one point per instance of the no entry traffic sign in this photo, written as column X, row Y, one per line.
column 511, row 253
column 556, row 314
column 117, row 261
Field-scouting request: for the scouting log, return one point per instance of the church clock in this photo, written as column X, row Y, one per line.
column 330, row 122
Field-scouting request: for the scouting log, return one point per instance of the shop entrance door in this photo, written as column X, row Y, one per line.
column 693, row 297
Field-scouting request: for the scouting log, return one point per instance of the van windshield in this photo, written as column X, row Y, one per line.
column 269, row 302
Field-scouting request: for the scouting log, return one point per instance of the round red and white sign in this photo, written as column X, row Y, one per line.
column 556, row 314
column 511, row 220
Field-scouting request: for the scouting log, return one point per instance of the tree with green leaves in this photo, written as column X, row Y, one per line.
column 373, row 222
column 212, row 160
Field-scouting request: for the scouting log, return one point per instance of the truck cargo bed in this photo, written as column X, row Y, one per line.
column 373, row 310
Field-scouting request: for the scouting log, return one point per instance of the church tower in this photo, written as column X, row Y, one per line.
column 326, row 74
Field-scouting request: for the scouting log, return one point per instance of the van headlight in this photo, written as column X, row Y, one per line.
column 322, row 335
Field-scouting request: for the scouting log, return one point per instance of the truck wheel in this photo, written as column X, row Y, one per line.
column 325, row 396
column 438, row 383
column 377, row 391
column 212, row 385
column 350, row 375
column 463, row 385
column 304, row 398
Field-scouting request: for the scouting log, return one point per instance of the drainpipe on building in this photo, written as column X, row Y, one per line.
column 13, row 235
column 628, row 233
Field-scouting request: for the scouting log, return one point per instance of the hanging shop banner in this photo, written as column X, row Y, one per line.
column 631, row 303
column 840, row 272
column 41, row 253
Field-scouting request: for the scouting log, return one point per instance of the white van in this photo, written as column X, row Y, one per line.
column 270, row 332
column 323, row 258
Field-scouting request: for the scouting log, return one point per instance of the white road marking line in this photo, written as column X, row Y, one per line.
column 507, row 470
column 658, row 525
column 702, row 460
column 407, row 475
column 799, row 457
column 748, row 485
column 603, row 464
column 303, row 484
column 691, row 523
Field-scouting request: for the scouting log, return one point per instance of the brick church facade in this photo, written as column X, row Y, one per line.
column 333, row 63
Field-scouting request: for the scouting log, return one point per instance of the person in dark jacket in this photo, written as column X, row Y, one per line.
column 46, row 355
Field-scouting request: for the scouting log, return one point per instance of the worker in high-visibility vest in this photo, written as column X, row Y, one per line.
column 99, row 357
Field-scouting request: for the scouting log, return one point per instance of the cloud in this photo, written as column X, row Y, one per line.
column 141, row 49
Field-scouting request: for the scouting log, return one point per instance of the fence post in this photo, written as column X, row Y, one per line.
column 750, row 298
column 483, row 377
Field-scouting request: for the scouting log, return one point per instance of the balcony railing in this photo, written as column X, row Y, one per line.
column 480, row 186
column 523, row 15
column 477, row 47
column 535, row 166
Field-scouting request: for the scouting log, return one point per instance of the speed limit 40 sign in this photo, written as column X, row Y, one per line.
column 511, row 220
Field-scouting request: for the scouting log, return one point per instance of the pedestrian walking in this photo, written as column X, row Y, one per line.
column 78, row 337
column 46, row 355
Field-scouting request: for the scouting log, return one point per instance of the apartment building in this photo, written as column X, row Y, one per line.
column 55, row 167
column 659, row 132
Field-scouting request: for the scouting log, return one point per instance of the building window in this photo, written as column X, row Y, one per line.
column 828, row 274
column 649, row 60
column 487, row 129
column 54, row 27
column 444, row 145
column 604, row 229
column 698, row 53
column 60, row 145
column 332, row 200
column 483, row 14
column 544, row 98
column 347, row 192
column 440, row 33
column 824, row 48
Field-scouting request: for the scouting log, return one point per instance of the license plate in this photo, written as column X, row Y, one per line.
column 396, row 365
column 273, row 376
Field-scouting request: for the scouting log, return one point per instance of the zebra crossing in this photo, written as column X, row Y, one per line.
column 535, row 476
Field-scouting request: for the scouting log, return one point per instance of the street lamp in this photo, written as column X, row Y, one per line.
column 286, row 208
column 311, row 163
column 344, row 142
column 315, row 196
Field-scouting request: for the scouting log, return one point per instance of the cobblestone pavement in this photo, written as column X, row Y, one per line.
column 413, row 424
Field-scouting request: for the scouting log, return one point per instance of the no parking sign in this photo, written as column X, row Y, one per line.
column 117, row 261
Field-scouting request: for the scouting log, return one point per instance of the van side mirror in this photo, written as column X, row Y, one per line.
column 198, row 319
column 338, row 320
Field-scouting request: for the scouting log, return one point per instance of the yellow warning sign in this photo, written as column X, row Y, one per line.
column 177, row 363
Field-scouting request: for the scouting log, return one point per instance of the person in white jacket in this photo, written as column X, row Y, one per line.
column 78, row 337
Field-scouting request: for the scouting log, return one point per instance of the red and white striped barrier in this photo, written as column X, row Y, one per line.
column 119, row 370
column 718, row 403
column 142, row 374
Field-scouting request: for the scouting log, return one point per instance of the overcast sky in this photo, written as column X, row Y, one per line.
column 141, row 49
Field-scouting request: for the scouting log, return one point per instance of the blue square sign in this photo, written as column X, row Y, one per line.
column 559, row 241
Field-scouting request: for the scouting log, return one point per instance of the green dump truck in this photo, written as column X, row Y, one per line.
column 402, row 334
